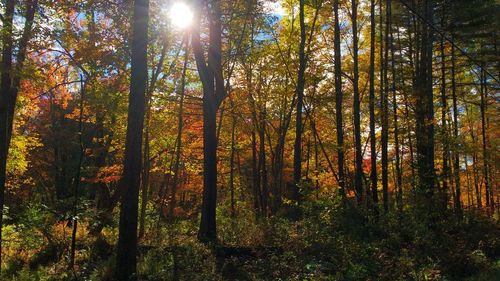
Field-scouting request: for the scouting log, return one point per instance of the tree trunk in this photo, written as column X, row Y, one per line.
column 358, row 176
column 5, row 100
column 207, row 231
column 77, row 178
column 338, row 102
column 444, row 131
column 262, row 161
column 126, row 259
column 180, row 125
column 210, row 71
column 373, row 140
column 231, row 160
column 385, row 110
column 399, row 179
column 484, row 142
column 456, row 153
column 297, row 155
column 10, row 81
column 425, row 106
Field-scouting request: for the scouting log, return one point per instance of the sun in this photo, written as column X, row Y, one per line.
column 180, row 15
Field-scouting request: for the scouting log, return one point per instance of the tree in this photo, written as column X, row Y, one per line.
column 210, row 71
column 425, row 103
column 373, row 141
column 384, row 101
column 358, row 179
column 10, row 81
column 126, row 258
column 297, row 156
column 338, row 100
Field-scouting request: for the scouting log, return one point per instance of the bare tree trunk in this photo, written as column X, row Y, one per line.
column 385, row 110
column 338, row 102
column 425, row 107
column 373, row 140
column 456, row 154
column 483, row 136
column 297, row 155
column 180, row 125
column 445, row 173
column 210, row 71
column 126, row 259
column 262, row 161
column 231, row 160
column 358, row 177
column 399, row 179
column 77, row 178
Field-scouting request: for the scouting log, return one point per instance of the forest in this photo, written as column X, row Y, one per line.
column 249, row 140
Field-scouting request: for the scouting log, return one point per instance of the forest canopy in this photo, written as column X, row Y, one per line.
column 249, row 140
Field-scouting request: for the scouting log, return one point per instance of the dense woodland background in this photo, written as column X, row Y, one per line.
column 266, row 140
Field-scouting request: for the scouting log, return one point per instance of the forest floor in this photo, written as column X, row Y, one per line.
column 325, row 243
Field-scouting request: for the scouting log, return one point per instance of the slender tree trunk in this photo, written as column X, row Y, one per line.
column 126, row 259
column 145, row 173
column 255, row 127
column 338, row 102
column 411, row 56
column 373, row 140
column 262, row 161
column 399, row 179
column 358, row 177
column 477, row 186
column 385, row 109
column 231, row 160
column 255, row 171
column 444, row 130
column 180, row 125
column 456, row 153
column 297, row 155
column 483, row 136
column 77, row 178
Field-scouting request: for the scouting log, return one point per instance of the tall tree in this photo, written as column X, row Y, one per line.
column 338, row 100
column 384, row 100
column 358, row 177
column 180, row 124
column 424, row 109
column 10, row 81
column 299, row 91
column 455, row 154
column 210, row 71
column 126, row 257
column 373, row 141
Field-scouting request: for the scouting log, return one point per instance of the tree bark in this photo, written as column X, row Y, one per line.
column 483, row 101
column 338, row 102
column 425, row 106
column 126, row 259
column 299, row 91
column 456, row 153
column 373, row 140
column 180, row 125
column 210, row 71
column 385, row 110
column 358, row 176
column 10, row 80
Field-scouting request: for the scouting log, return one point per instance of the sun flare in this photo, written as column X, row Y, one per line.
column 180, row 15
